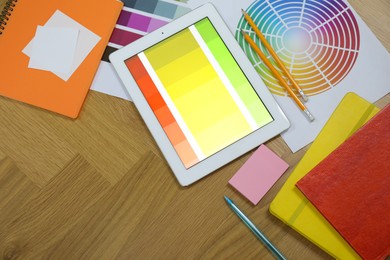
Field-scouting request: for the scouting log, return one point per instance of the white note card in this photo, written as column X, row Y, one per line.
column 53, row 49
column 86, row 41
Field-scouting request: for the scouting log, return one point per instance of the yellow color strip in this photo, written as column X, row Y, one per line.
column 202, row 100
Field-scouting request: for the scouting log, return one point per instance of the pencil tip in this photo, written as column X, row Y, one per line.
column 242, row 10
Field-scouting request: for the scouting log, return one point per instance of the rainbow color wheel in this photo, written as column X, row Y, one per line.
column 318, row 41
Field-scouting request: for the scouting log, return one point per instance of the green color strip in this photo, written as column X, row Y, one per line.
column 233, row 72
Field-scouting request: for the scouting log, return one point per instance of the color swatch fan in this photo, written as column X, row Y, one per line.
column 318, row 41
column 140, row 17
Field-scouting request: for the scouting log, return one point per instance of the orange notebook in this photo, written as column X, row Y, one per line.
column 43, row 88
column 351, row 188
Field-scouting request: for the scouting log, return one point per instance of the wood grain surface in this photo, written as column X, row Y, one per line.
column 98, row 187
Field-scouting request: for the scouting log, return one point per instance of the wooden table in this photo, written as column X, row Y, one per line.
column 98, row 187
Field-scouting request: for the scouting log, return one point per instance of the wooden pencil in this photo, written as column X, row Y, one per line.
column 277, row 75
column 273, row 54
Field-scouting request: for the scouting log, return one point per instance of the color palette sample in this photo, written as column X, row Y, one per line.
column 168, row 9
column 139, row 22
column 318, row 41
column 139, row 17
column 123, row 37
column 197, row 92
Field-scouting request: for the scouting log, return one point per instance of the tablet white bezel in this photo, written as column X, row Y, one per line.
column 247, row 143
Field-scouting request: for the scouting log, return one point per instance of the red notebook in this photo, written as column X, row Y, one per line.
column 351, row 188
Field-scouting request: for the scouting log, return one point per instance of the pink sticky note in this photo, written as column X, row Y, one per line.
column 258, row 174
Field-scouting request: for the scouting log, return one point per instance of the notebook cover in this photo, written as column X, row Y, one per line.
column 351, row 188
column 293, row 208
column 40, row 88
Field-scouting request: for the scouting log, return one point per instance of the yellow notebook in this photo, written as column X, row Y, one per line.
column 292, row 207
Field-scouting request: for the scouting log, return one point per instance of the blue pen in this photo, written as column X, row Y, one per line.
column 254, row 229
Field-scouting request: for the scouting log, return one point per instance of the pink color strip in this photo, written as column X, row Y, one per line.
column 122, row 37
column 139, row 22
column 155, row 24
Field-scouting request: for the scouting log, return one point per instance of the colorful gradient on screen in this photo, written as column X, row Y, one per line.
column 318, row 41
column 197, row 92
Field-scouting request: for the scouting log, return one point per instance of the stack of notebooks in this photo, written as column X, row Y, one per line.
column 338, row 196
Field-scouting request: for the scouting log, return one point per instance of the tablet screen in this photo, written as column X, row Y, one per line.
column 198, row 92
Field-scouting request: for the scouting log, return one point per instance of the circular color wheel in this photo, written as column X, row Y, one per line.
column 318, row 41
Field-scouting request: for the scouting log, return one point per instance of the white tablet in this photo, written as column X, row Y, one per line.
column 199, row 95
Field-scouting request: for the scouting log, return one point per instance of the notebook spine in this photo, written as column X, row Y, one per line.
column 6, row 13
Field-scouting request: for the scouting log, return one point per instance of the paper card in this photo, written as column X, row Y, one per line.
column 258, row 174
column 107, row 81
column 87, row 40
column 53, row 49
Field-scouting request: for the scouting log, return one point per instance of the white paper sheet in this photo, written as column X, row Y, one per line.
column 53, row 49
column 107, row 81
column 87, row 39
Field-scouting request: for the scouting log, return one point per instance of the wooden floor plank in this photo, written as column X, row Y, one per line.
column 104, row 230
column 30, row 139
column 16, row 189
column 48, row 215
